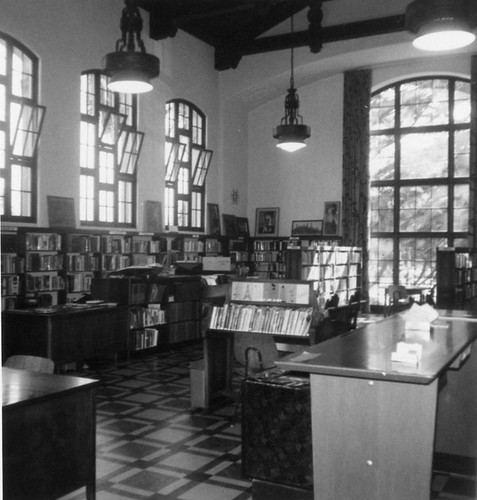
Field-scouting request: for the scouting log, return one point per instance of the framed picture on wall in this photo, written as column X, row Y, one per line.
column 152, row 216
column 331, row 218
column 266, row 221
column 307, row 228
column 242, row 227
column 213, row 219
column 61, row 211
column 230, row 225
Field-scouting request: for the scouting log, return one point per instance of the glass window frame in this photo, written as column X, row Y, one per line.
column 27, row 164
column 184, row 201
column 109, row 164
column 450, row 236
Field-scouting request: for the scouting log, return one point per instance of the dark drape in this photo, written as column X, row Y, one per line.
column 357, row 96
column 473, row 158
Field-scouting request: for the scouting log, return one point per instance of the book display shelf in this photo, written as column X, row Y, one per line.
column 456, row 285
column 268, row 258
column 282, row 308
column 161, row 309
column 333, row 269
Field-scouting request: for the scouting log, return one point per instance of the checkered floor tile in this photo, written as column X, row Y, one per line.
column 151, row 445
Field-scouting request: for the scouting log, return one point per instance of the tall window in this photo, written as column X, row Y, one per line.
column 419, row 169
column 187, row 162
column 109, row 149
column 21, row 119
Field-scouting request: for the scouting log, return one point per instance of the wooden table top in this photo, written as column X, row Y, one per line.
column 366, row 352
column 22, row 386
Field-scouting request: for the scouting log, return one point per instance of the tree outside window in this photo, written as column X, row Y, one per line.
column 419, row 170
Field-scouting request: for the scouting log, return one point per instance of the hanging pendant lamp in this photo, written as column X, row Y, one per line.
column 441, row 24
column 131, row 70
column 291, row 133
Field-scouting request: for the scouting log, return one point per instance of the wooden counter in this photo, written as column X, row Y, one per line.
column 49, row 428
column 374, row 420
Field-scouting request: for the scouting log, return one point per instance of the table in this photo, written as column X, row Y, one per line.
column 66, row 334
column 374, row 420
column 49, row 435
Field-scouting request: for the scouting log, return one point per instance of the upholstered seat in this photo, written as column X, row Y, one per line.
column 30, row 363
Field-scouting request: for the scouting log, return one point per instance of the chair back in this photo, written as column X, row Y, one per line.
column 31, row 363
column 396, row 299
column 246, row 345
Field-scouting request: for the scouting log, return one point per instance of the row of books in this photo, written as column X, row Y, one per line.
column 81, row 262
column 144, row 339
column 273, row 319
column 144, row 244
column 11, row 285
column 45, row 282
column 114, row 262
column 319, row 257
column 79, row 282
column 267, row 246
column 268, row 256
column 12, row 264
column 83, row 243
column 43, row 241
column 146, row 316
column 183, row 311
column 43, row 262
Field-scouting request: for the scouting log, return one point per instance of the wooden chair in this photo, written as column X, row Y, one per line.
column 30, row 363
column 255, row 352
column 396, row 299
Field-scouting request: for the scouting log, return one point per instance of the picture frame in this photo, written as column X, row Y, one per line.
column 242, row 227
column 213, row 219
column 308, row 228
column 61, row 211
column 229, row 225
column 266, row 221
column 331, row 218
column 152, row 216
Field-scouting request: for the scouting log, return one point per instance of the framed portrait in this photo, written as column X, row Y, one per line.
column 266, row 221
column 213, row 219
column 61, row 211
column 307, row 228
column 242, row 227
column 332, row 218
column 229, row 225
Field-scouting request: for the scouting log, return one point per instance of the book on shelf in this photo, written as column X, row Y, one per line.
column 263, row 319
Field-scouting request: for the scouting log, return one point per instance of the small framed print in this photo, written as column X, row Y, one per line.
column 266, row 221
column 242, row 227
column 213, row 219
column 331, row 218
column 308, row 228
column 229, row 225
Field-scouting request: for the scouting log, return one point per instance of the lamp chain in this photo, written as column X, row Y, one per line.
column 292, row 78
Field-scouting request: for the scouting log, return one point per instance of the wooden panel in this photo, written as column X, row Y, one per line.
column 372, row 439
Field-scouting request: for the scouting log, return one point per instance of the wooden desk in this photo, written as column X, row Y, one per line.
column 373, row 420
column 49, row 435
column 66, row 335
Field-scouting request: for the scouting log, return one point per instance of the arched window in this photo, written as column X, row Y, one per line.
column 187, row 162
column 109, row 150
column 419, row 170
column 21, row 119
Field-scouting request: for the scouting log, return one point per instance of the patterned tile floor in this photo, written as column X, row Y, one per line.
column 151, row 445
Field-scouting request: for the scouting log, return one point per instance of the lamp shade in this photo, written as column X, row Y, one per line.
column 291, row 137
column 441, row 25
column 131, row 72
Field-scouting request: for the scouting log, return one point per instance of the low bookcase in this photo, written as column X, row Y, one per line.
column 285, row 309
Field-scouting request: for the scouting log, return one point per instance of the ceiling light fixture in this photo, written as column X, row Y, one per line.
column 441, row 24
column 131, row 70
column 291, row 133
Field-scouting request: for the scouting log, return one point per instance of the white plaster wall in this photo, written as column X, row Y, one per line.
column 71, row 36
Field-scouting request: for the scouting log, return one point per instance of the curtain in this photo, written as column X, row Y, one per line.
column 473, row 159
column 357, row 96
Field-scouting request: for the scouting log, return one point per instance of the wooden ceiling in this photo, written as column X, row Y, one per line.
column 235, row 28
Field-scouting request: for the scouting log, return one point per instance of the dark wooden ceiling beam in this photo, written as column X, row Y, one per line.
column 340, row 32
